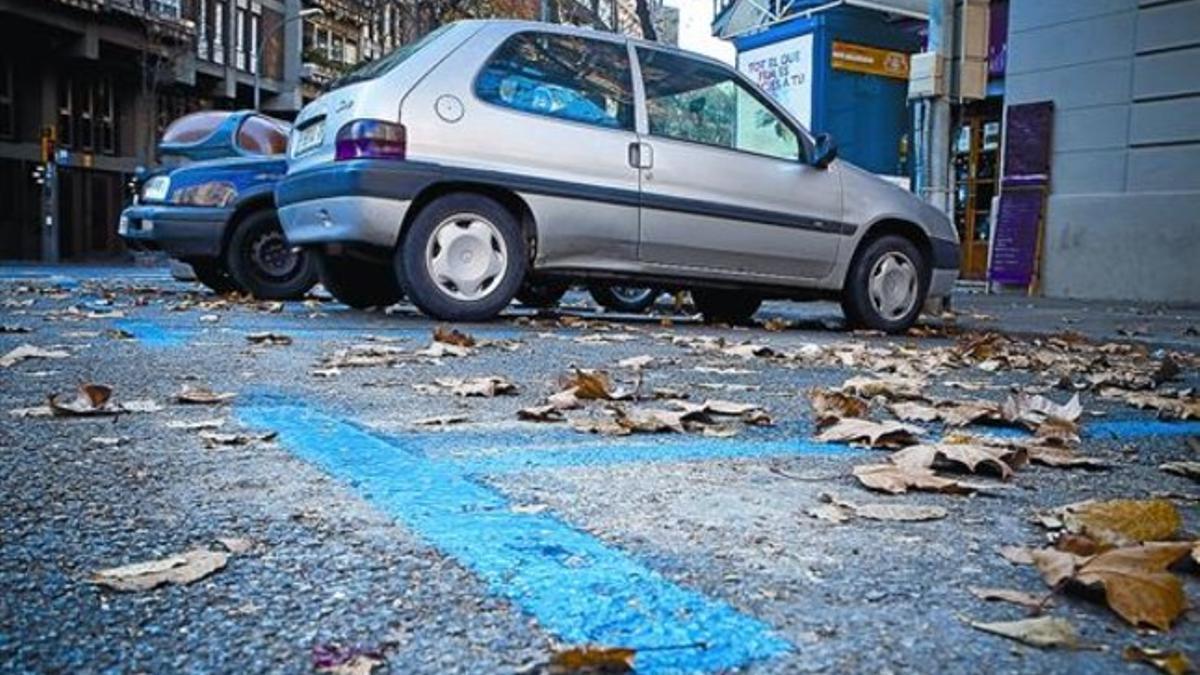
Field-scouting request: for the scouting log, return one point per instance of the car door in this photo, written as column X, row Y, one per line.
column 550, row 115
column 725, row 184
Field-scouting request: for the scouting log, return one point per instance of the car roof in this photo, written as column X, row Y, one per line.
column 516, row 25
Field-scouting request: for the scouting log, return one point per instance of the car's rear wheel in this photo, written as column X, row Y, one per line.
column 629, row 299
column 542, row 294
column 261, row 261
column 358, row 283
column 886, row 285
column 726, row 306
column 463, row 258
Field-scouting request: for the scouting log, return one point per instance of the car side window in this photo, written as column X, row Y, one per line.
column 561, row 76
column 689, row 100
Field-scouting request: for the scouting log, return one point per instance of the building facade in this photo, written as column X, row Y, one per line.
column 1122, row 219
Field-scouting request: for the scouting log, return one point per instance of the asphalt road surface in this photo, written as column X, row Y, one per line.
column 483, row 544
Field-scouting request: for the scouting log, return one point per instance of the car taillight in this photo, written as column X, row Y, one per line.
column 373, row 139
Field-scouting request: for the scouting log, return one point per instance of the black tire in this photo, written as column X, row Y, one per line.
column 260, row 259
column 725, row 306
column 862, row 311
column 361, row 284
column 628, row 299
column 542, row 294
column 213, row 275
column 496, row 228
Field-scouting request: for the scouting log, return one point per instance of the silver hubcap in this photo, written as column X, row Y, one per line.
column 893, row 285
column 630, row 294
column 466, row 257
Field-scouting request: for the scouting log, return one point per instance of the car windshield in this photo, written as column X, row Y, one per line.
column 383, row 64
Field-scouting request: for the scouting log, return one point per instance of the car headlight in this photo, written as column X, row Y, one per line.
column 212, row 193
column 156, row 188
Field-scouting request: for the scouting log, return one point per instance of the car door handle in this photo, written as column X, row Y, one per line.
column 641, row 156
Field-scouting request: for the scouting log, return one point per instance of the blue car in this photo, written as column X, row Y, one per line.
column 212, row 205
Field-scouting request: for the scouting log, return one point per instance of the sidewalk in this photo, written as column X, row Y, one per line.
column 1158, row 325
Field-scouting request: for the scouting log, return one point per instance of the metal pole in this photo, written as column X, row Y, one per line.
column 941, row 40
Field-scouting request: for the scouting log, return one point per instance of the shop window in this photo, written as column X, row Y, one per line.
column 83, row 117
column 87, row 119
column 561, row 76
column 66, row 135
column 690, row 100
column 105, row 114
column 7, row 112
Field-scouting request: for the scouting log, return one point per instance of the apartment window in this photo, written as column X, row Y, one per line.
column 7, row 115
column 66, row 107
column 337, row 50
column 310, row 34
column 322, row 42
column 255, row 31
column 351, row 52
column 240, row 49
column 219, row 32
column 202, row 47
column 87, row 119
column 82, row 115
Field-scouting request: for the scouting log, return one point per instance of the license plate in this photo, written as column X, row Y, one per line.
column 309, row 137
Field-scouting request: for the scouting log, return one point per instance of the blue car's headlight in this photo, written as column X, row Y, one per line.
column 211, row 193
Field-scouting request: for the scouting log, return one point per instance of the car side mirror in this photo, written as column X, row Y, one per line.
column 824, row 151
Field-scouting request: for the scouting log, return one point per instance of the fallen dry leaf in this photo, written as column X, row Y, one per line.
column 891, row 388
column 90, row 399
column 873, row 434
column 439, row 421
column 1137, row 585
column 269, row 339
column 831, row 406
column 1120, row 522
column 1044, row 631
column 1167, row 407
column 1185, row 469
column 452, row 336
column 197, row 425
column 486, row 387
column 27, row 351
column 591, row 659
column 1170, row 661
column 896, row 480
column 541, row 413
column 924, row 456
column 1027, row 600
column 213, row 439
column 177, row 569
column 202, row 396
column 899, row 512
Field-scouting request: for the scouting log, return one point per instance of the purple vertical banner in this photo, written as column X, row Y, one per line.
column 1014, row 246
column 1027, row 154
column 998, row 38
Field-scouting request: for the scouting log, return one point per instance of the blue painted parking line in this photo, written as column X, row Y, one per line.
column 577, row 587
column 154, row 334
column 1139, row 428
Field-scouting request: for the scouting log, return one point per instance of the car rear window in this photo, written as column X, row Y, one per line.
column 564, row 76
column 261, row 135
column 383, row 64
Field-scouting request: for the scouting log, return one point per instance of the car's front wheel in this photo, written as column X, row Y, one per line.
column 261, row 261
column 726, row 306
column 629, row 299
column 361, row 284
column 886, row 285
column 463, row 258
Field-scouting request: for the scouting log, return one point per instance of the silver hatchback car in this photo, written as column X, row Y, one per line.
column 492, row 154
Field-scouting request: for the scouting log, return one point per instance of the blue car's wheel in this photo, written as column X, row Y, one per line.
column 262, row 262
